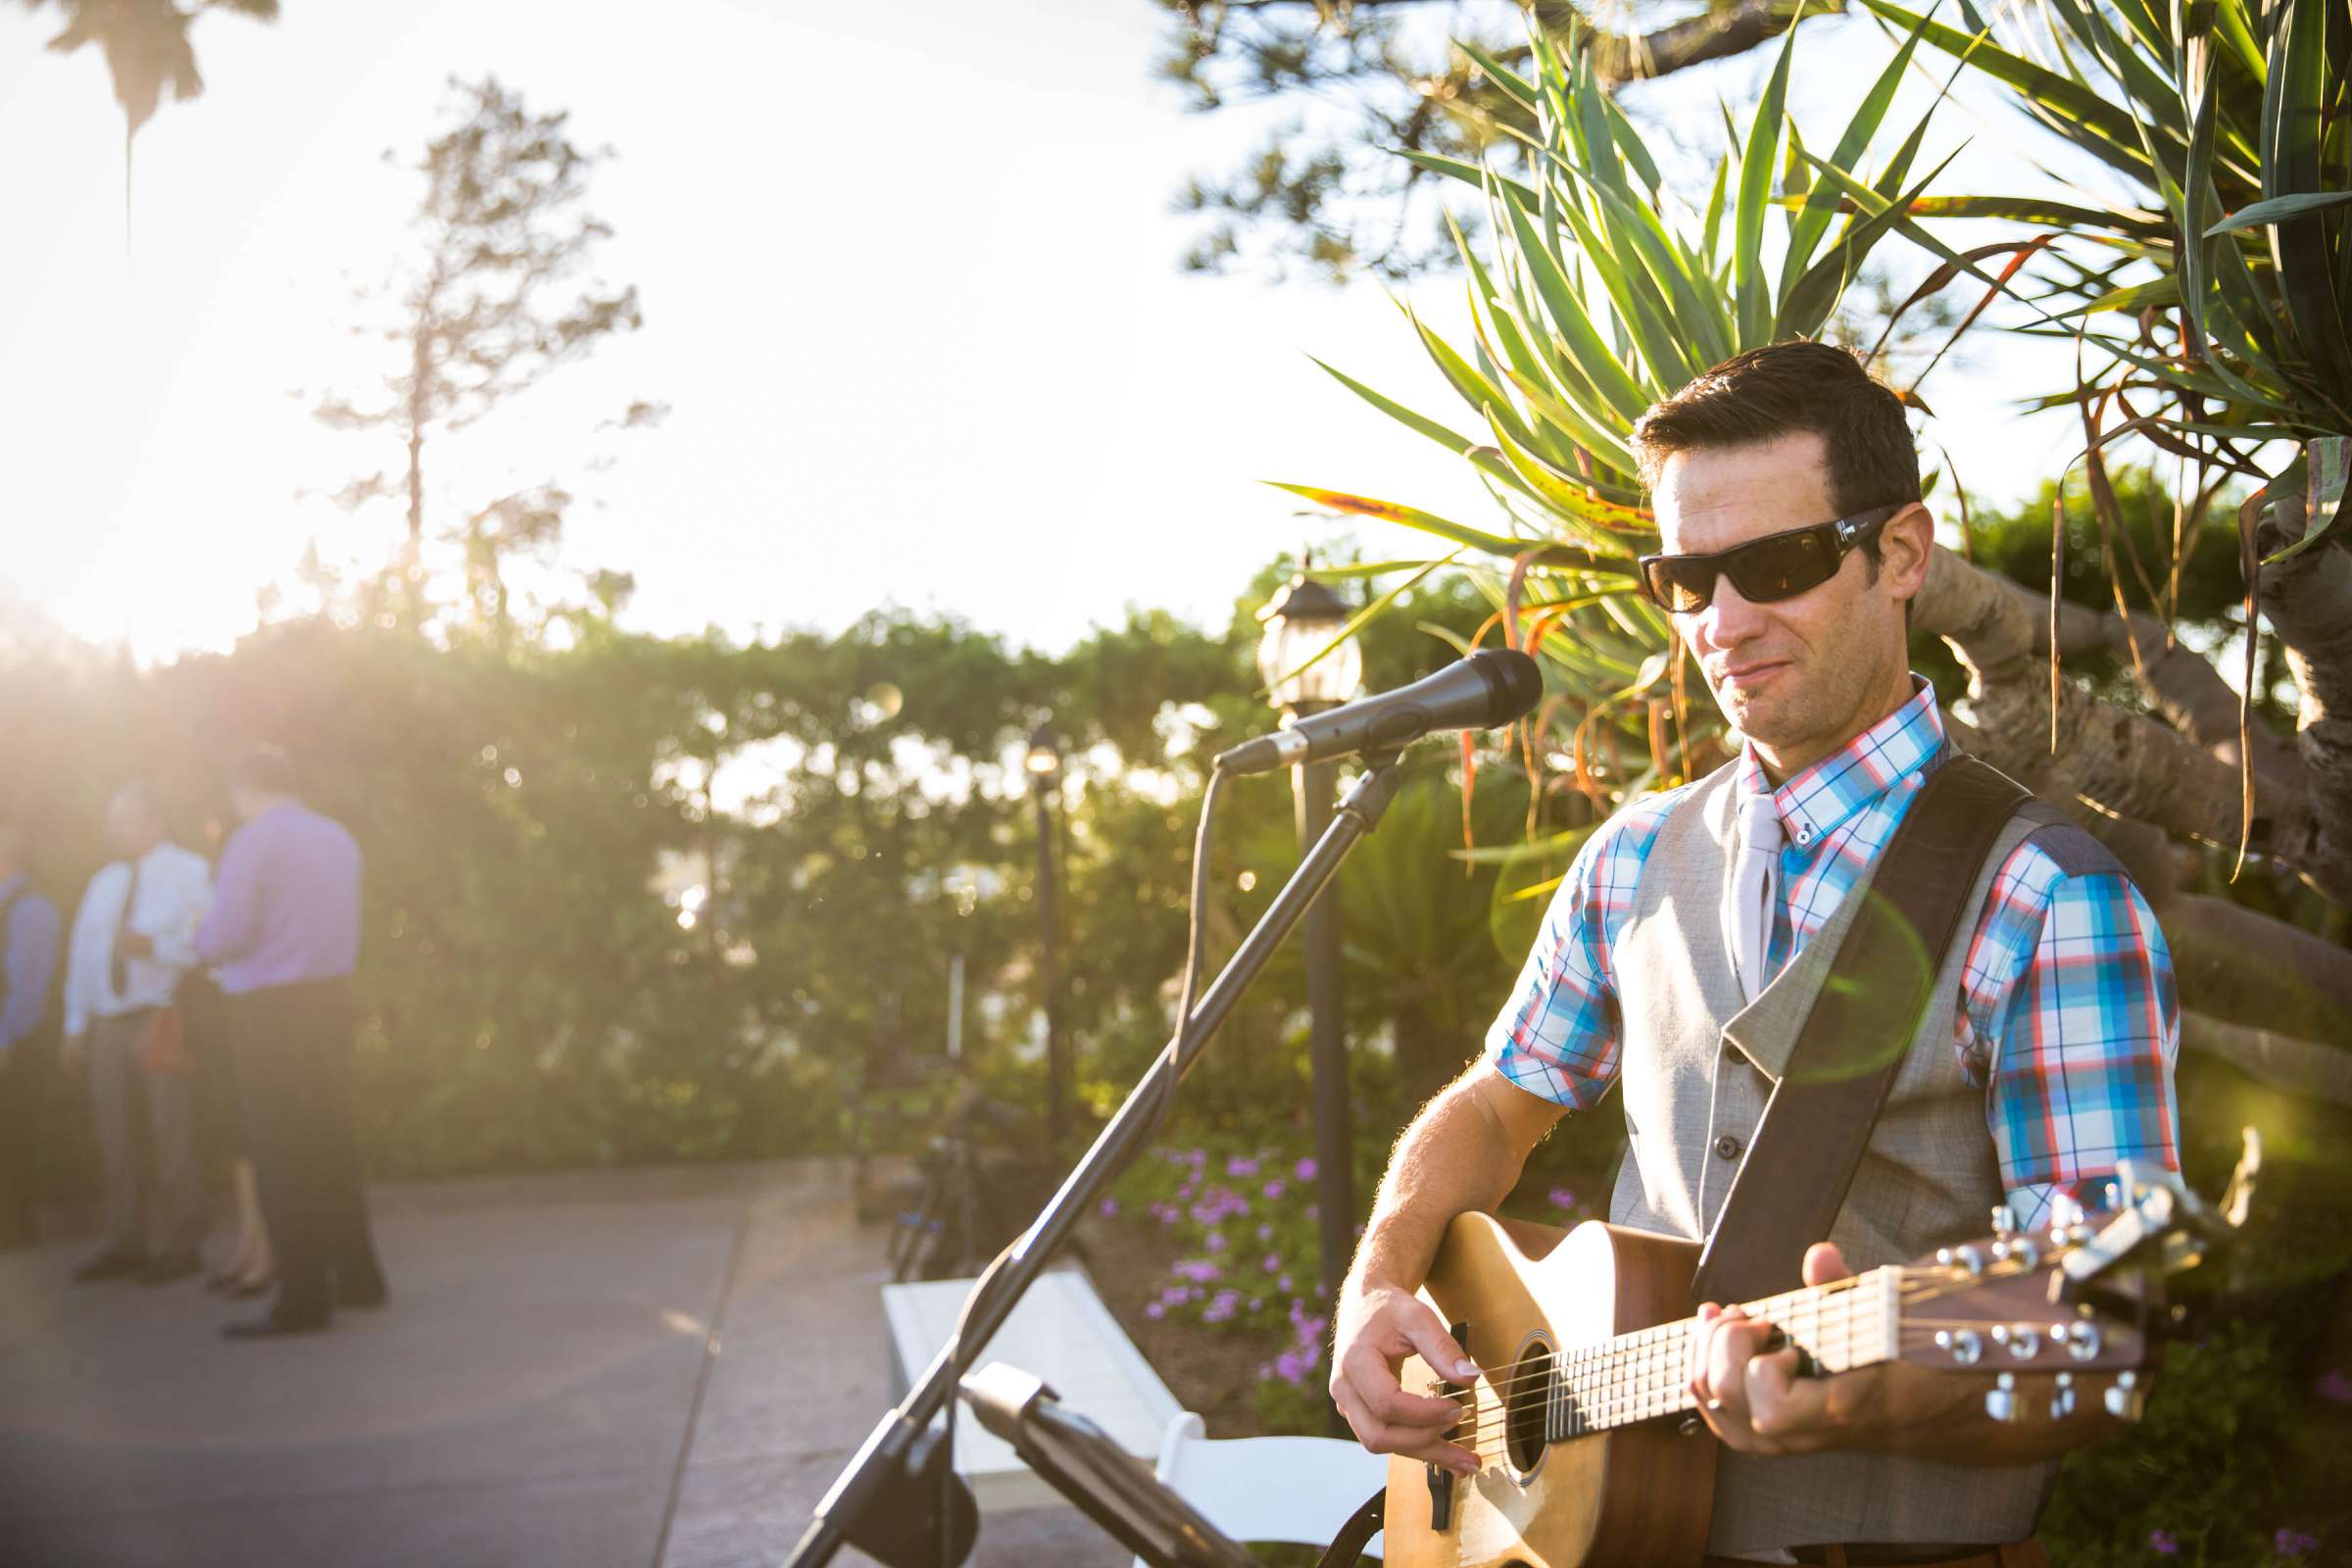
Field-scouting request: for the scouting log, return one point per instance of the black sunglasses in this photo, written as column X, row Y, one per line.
column 1779, row 565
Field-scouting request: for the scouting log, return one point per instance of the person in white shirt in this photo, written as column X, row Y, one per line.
column 133, row 937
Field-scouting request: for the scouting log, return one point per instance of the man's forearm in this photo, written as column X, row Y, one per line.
column 1457, row 1155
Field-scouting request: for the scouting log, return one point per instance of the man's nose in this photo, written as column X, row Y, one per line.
column 1728, row 620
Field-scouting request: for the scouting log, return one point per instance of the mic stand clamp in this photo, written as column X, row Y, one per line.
column 876, row 1477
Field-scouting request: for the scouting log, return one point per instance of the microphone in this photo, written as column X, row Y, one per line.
column 1491, row 687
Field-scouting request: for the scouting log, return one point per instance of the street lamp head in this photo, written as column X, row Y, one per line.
column 1044, row 761
column 1301, row 620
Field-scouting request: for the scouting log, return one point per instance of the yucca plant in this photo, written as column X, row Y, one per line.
column 2233, row 281
column 1604, row 294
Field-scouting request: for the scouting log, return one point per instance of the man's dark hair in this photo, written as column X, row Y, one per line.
column 263, row 769
column 1771, row 392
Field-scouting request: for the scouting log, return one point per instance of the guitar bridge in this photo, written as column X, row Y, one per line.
column 1441, row 1479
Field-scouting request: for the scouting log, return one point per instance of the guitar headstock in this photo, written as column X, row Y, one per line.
column 2084, row 1295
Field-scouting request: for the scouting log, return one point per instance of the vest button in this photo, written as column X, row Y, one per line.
column 1728, row 1146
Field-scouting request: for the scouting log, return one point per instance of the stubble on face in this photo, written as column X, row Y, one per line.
column 1799, row 676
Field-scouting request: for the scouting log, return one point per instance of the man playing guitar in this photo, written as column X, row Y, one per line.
column 1788, row 496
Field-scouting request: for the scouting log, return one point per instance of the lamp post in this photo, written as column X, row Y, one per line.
column 1045, row 777
column 1301, row 621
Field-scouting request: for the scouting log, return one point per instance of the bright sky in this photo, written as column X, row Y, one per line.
column 911, row 288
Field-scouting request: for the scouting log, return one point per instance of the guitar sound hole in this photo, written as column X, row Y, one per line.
column 1525, row 1409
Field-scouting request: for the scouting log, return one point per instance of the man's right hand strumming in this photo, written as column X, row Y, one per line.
column 1464, row 1152
column 1379, row 1326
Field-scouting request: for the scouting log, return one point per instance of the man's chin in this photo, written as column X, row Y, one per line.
column 1765, row 723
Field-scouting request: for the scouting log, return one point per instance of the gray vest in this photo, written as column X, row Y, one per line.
column 1696, row 1069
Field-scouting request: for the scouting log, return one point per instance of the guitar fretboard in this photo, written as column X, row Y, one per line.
column 1646, row 1374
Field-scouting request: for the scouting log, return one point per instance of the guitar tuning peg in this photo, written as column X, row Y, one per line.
column 2125, row 1399
column 2004, row 1220
column 2062, row 1397
column 2001, row 1402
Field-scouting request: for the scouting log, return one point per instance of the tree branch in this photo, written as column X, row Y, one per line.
column 2299, row 1066
column 2127, row 763
column 1718, row 32
column 2145, row 853
column 2181, row 684
column 1715, row 33
column 2258, row 970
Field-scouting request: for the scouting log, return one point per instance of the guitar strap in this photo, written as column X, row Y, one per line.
column 1809, row 1143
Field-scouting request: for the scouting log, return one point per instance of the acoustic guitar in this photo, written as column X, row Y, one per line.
column 1591, row 1449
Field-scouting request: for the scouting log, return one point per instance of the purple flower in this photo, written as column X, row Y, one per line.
column 1265, row 1233
column 1305, row 1170
column 1274, row 1189
column 2293, row 1542
column 1199, row 1270
column 1110, row 1209
column 1155, row 1309
column 1283, row 1284
column 1184, row 1194
column 2163, row 1544
column 1240, row 1165
column 1273, row 1264
column 1289, row 1367
column 1222, row 1307
column 1173, row 1296
column 1167, row 1216
column 1562, row 1197
column 1216, row 1240
column 2334, row 1387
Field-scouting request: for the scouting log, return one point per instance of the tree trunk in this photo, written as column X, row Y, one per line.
column 2308, row 601
column 1428, row 1057
column 412, row 564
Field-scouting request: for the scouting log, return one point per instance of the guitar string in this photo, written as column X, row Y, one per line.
column 1612, row 1408
column 1623, row 1404
column 1647, row 1384
column 1916, row 1289
column 1632, row 1375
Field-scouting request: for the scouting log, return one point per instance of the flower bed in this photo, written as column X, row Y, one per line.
column 1208, row 1253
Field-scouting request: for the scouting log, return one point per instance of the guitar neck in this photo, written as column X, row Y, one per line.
column 1646, row 1373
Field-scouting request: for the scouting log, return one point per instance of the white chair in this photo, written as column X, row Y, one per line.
column 1298, row 1489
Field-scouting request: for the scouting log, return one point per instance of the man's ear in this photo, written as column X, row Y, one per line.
column 1905, row 544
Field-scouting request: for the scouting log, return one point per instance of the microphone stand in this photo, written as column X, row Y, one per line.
column 878, row 1473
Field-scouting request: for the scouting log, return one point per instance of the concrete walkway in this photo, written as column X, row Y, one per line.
column 635, row 1369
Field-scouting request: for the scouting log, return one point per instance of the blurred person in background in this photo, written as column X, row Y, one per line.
column 251, row 1267
column 28, row 930
column 133, row 941
column 284, row 932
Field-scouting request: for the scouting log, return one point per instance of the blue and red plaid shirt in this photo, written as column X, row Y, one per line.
column 2067, row 1018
